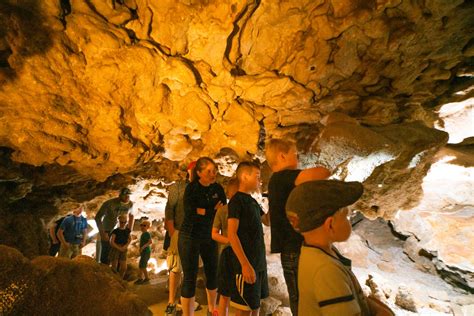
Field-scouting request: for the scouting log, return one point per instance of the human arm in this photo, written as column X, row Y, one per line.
column 311, row 174
column 113, row 243
column 52, row 233
column 171, row 204
column 98, row 220
column 247, row 270
column 124, row 247
column 266, row 219
column 148, row 243
column 217, row 226
column 84, row 237
column 61, row 237
column 131, row 219
column 217, row 236
column 333, row 290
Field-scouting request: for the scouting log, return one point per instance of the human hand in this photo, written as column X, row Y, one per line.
column 248, row 273
column 104, row 236
column 218, row 205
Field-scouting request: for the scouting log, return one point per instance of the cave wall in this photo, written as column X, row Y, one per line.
column 95, row 95
column 103, row 87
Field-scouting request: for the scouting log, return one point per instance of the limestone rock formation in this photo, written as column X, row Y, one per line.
column 57, row 286
column 390, row 160
column 104, row 87
column 100, row 94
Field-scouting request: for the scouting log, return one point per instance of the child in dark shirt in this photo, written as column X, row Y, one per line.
column 245, row 233
column 145, row 252
column 282, row 157
column 119, row 241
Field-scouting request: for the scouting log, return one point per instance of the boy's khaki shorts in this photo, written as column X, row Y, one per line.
column 172, row 260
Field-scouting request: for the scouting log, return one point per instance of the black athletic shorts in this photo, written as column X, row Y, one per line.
column 225, row 273
column 246, row 296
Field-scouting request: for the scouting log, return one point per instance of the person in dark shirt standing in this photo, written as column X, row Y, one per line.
column 53, row 237
column 245, row 233
column 119, row 241
column 202, row 197
column 282, row 157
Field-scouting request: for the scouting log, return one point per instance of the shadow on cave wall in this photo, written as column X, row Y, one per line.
column 23, row 33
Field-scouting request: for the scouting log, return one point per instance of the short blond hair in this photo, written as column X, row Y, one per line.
column 146, row 223
column 275, row 146
column 122, row 217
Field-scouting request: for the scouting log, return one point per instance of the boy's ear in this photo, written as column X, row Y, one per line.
column 328, row 223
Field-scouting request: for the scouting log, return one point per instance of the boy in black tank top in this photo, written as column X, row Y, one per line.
column 282, row 157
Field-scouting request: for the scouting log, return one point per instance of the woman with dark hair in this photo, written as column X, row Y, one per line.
column 202, row 197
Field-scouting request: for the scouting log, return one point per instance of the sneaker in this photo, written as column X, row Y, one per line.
column 170, row 310
column 197, row 306
column 145, row 281
column 139, row 281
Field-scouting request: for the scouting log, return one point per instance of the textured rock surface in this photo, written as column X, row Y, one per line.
column 390, row 160
column 442, row 222
column 105, row 86
column 56, row 286
column 96, row 95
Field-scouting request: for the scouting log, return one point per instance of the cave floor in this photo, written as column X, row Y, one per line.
column 155, row 295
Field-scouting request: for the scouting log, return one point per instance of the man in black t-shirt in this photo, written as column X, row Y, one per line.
column 245, row 234
column 282, row 157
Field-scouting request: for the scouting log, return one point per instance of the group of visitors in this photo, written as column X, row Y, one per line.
column 223, row 228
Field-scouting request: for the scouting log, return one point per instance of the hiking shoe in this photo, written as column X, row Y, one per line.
column 170, row 310
column 139, row 281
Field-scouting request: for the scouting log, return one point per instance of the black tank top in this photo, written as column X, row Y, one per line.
column 284, row 237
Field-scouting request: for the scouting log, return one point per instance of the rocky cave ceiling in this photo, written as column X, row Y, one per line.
column 100, row 94
column 94, row 91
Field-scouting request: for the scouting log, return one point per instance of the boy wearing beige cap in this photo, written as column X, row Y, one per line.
column 326, row 284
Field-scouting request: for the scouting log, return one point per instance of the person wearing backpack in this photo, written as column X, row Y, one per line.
column 53, row 236
column 73, row 234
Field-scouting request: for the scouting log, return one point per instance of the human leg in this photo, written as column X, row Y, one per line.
column 289, row 263
column 104, row 251
column 189, row 254
column 208, row 252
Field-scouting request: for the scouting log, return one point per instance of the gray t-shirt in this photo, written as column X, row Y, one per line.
column 110, row 210
column 220, row 222
column 174, row 210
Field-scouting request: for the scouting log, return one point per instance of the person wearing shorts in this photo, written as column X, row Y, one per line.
column 119, row 241
column 245, row 233
column 174, row 215
column 145, row 252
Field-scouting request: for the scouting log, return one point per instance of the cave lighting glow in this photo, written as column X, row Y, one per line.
column 149, row 197
column 360, row 168
column 457, row 118
column 156, row 266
